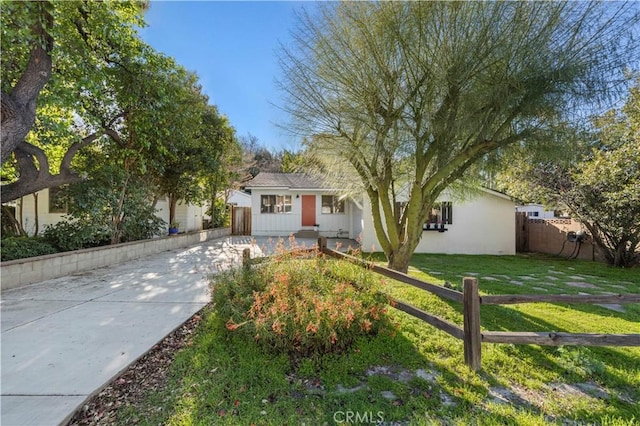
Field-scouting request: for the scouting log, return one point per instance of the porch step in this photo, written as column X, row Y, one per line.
column 306, row 233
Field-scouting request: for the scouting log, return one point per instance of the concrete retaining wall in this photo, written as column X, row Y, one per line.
column 16, row 273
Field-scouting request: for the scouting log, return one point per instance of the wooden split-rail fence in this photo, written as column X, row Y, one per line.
column 471, row 333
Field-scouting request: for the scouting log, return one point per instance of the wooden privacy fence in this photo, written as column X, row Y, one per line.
column 240, row 220
column 470, row 333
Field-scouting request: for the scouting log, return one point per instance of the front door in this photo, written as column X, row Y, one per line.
column 308, row 210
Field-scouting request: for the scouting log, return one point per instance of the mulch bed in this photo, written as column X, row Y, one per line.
column 149, row 373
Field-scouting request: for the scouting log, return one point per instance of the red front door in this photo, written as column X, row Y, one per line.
column 308, row 210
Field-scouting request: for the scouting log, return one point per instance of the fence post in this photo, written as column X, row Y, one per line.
column 322, row 244
column 246, row 257
column 471, row 312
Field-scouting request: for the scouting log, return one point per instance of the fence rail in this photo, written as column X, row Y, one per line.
column 471, row 301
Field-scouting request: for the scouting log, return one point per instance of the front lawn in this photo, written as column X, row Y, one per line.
column 417, row 375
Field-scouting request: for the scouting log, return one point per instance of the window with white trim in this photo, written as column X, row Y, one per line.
column 332, row 204
column 275, row 204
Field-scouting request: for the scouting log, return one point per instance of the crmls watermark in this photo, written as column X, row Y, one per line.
column 358, row 417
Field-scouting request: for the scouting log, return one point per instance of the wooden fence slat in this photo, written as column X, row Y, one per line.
column 471, row 317
column 506, row 299
column 471, row 301
column 435, row 321
column 443, row 292
column 557, row 339
column 559, row 298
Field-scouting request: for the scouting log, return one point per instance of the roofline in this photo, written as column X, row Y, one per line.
column 294, row 189
column 497, row 193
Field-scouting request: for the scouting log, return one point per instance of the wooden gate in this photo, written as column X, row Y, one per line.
column 240, row 220
column 522, row 232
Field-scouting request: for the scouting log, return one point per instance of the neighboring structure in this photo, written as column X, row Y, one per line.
column 286, row 203
column 239, row 198
column 536, row 211
column 50, row 211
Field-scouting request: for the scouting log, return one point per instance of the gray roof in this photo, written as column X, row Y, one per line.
column 285, row 180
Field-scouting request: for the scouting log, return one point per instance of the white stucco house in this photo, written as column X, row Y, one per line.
column 286, row 203
column 50, row 211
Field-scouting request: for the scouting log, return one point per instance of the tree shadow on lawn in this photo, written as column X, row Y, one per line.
column 225, row 378
column 572, row 363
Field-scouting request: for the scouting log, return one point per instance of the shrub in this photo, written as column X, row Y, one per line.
column 301, row 306
column 67, row 236
column 21, row 247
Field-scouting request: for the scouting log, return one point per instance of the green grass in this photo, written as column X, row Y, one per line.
column 223, row 378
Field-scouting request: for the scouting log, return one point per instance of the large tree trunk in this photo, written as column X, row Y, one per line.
column 11, row 226
column 36, row 214
column 18, row 112
column 173, row 201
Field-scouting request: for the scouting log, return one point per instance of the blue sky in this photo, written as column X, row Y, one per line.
column 232, row 47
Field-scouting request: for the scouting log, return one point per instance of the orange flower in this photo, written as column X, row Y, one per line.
column 277, row 327
column 231, row 326
column 366, row 325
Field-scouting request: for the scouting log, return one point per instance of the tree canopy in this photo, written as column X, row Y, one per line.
column 86, row 102
column 56, row 56
column 598, row 181
column 410, row 95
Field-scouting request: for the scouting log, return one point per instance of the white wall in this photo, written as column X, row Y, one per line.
column 536, row 208
column 28, row 212
column 283, row 224
column 190, row 216
column 239, row 198
column 483, row 225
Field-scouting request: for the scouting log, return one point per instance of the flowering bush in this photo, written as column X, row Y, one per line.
column 304, row 306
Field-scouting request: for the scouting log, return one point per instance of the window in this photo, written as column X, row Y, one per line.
column 332, row 204
column 533, row 214
column 275, row 204
column 441, row 213
column 57, row 204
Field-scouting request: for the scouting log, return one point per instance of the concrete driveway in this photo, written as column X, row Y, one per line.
column 64, row 339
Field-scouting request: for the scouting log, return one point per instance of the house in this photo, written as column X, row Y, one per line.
column 286, row 203
column 536, row 211
column 482, row 224
column 47, row 208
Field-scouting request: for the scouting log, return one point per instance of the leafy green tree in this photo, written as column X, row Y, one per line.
column 221, row 164
column 55, row 56
column 599, row 182
column 100, row 215
column 410, row 95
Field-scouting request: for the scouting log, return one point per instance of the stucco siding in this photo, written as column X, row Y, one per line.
column 482, row 225
column 28, row 213
column 189, row 215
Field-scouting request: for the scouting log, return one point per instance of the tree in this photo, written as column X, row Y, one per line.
column 55, row 55
column 200, row 162
column 599, row 183
column 410, row 95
